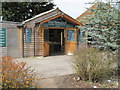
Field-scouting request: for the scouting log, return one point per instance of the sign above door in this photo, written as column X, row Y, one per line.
column 58, row 22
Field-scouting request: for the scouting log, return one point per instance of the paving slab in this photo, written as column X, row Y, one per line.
column 50, row 66
column 47, row 83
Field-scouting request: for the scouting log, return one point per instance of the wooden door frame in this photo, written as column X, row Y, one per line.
column 66, row 37
column 52, row 28
column 44, row 41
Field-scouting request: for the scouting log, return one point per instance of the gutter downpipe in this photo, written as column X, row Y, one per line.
column 34, row 40
column 23, row 41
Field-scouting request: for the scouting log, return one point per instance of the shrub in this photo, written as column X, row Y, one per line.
column 16, row 75
column 91, row 64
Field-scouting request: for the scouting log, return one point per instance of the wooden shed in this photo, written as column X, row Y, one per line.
column 50, row 33
column 9, row 39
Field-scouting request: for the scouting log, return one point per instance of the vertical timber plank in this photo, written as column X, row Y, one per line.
column 20, row 41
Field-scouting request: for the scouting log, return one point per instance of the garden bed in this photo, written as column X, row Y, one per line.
column 71, row 81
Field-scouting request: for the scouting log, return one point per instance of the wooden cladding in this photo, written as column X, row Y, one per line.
column 71, row 41
column 40, row 45
column 34, row 47
column 39, row 41
column 46, row 48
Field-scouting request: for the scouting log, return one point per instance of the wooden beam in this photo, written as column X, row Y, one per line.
column 71, row 20
column 50, row 18
column 62, row 16
column 20, row 41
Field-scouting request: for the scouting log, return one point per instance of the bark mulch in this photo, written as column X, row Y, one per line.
column 72, row 81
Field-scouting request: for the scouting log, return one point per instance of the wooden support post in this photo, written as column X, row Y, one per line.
column 20, row 42
column 61, row 39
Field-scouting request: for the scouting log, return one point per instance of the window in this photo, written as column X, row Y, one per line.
column 70, row 35
column 28, row 35
column 46, row 35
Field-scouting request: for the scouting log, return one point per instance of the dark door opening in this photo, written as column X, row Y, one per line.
column 56, row 41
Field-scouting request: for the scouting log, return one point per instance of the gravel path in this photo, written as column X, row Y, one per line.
column 50, row 66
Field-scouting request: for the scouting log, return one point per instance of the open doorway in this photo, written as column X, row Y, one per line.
column 56, row 41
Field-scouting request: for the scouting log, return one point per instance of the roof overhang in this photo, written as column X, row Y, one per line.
column 62, row 15
column 49, row 15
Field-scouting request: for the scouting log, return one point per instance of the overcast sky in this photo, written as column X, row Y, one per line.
column 75, row 8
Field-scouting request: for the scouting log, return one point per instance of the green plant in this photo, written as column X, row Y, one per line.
column 102, row 26
column 17, row 75
column 93, row 65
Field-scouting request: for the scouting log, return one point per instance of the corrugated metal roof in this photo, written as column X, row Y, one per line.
column 49, row 16
column 41, row 17
column 46, row 15
column 37, row 16
column 10, row 22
